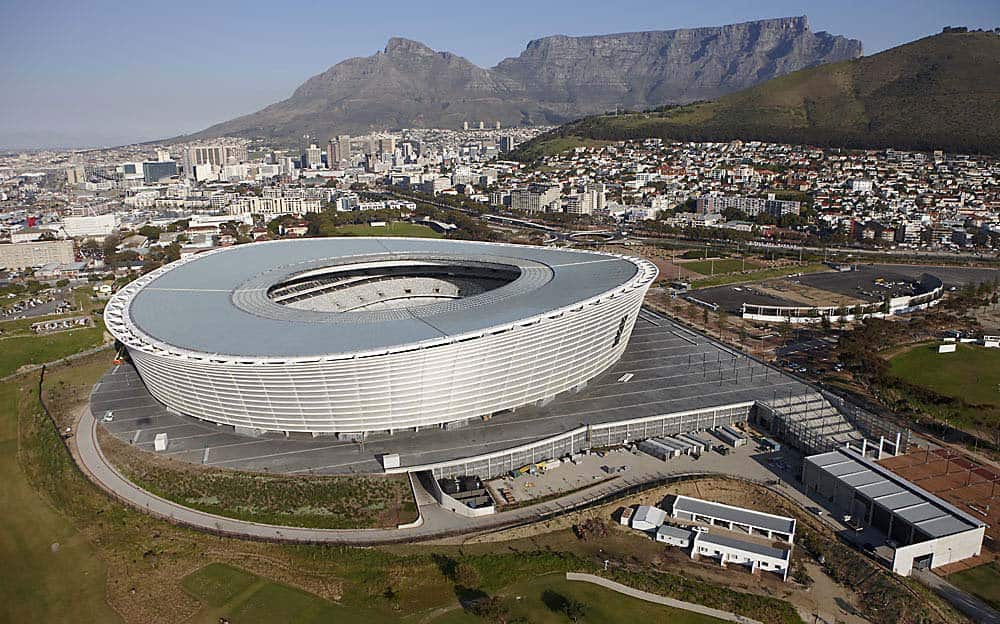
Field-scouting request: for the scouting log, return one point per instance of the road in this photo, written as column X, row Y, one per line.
column 435, row 521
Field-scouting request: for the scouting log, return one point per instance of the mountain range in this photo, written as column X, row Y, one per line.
column 554, row 80
column 939, row 92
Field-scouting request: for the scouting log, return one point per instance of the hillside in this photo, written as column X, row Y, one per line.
column 555, row 79
column 940, row 92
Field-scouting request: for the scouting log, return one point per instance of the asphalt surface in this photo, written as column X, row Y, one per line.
column 673, row 370
column 859, row 284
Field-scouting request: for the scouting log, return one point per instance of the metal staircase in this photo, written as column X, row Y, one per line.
column 808, row 422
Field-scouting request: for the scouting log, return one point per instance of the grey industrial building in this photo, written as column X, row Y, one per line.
column 922, row 530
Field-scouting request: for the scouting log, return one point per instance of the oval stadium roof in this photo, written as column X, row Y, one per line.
column 216, row 303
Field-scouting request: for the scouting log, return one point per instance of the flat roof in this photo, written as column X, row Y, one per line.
column 672, row 531
column 908, row 501
column 216, row 303
column 738, row 515
column 751, row 547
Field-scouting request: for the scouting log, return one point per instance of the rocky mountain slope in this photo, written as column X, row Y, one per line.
column 554, row 80
column 940, row 92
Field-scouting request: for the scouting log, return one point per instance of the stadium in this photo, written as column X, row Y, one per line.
column 351, row 336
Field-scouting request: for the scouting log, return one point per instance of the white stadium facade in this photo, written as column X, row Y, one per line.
column 358, row 335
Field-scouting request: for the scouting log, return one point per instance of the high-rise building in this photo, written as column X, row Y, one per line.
column 154, row 171
column 217, row 154
column 76, row 174
column 312, row 158
column 600, row 196
column 386, row 145
column 507, row 143
column 536, row 198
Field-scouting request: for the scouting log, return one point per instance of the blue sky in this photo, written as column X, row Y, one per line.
column 102, row 73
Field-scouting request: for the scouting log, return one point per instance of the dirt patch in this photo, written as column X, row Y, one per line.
column 955, row 477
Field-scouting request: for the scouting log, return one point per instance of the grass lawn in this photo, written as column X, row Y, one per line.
column 245, row 598
column 982, row 581
column 396, row 228
column 718, row 267
column 216, row 584
column 971, row 373
column 307, row 501
column 17, row 351
column 756, row 276
column 541, row 598
column 41, row 582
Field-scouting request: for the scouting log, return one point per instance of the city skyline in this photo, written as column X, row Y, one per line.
column 112, row 75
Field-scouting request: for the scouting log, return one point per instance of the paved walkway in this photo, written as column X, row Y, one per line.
column 663, row 600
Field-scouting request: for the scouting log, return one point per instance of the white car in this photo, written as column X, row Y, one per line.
column 108, row 416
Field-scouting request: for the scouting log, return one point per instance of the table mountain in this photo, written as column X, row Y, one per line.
column 939, row 92
column 554, row 80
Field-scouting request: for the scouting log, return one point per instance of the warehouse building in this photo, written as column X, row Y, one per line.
column 923, row 530
column 746, row 521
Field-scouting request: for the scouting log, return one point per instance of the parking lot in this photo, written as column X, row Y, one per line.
column 859, row 285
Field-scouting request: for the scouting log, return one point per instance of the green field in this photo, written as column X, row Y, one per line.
column 17, row 351
column 396, row 228
column 982, row 581
column 756, row 276
column 52, row 573
column 245, row 598
column 719, row 267
column 971, row 373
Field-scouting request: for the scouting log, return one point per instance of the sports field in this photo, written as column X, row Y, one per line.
column 971, row 373
column 719, row 267
column 17, row 351
column 396, row 228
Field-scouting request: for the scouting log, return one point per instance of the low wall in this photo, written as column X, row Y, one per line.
column 943, row 550
column 881, row 309
column 491, row 465
column 428, row 480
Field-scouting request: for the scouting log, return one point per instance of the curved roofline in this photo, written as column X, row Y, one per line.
column 119, row 321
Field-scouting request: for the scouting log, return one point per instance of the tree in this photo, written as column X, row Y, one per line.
column 151, row 232
column 466, row 575
column 574, row 610
column 489, row 608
